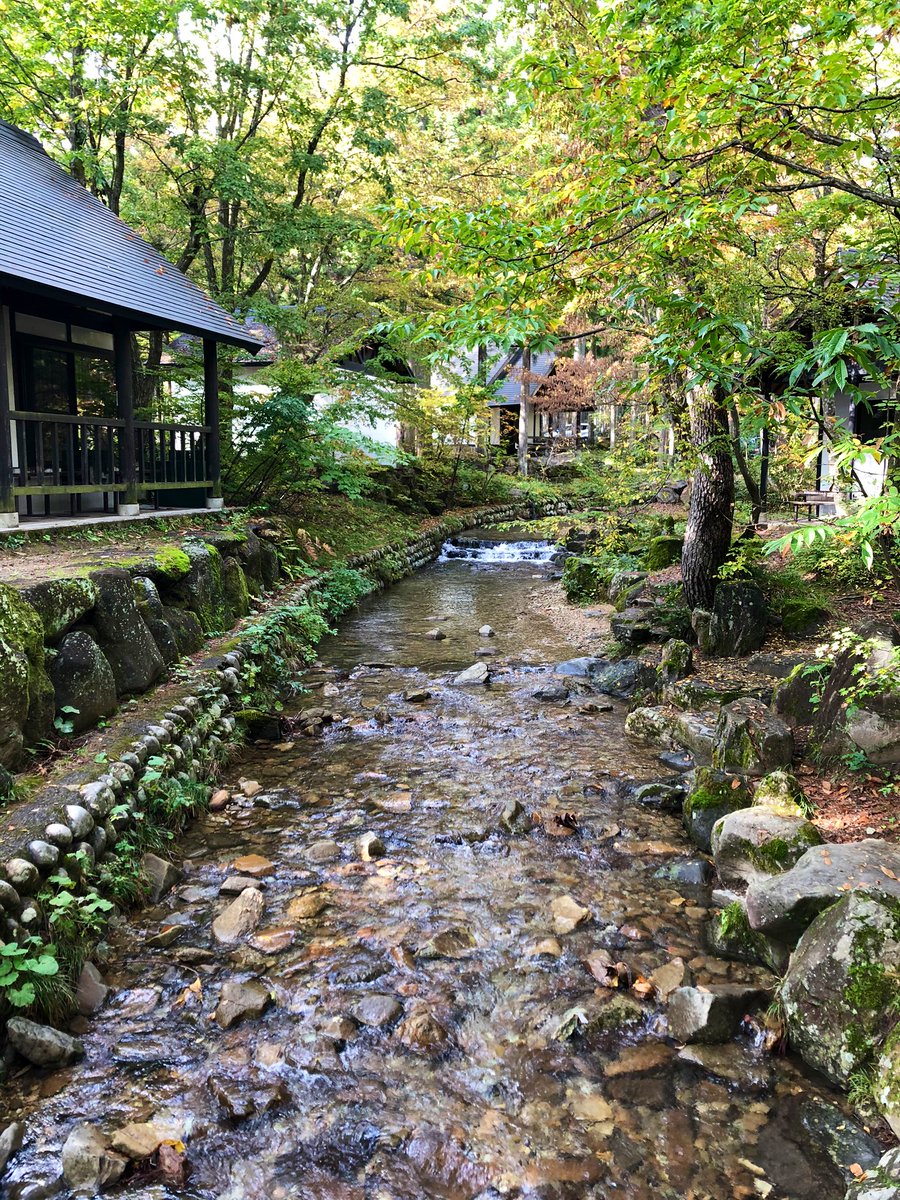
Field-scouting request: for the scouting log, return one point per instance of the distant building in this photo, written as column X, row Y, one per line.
column 75, row 284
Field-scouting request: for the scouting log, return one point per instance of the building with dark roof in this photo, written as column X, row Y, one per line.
column 76, row 283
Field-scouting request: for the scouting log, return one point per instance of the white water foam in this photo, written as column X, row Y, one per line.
column 478, row 550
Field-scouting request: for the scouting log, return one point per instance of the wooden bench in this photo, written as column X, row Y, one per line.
column 812, row 502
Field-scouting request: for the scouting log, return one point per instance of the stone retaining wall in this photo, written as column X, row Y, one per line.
column 86, row 812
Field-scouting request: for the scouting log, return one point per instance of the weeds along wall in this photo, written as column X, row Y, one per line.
column 91, row 841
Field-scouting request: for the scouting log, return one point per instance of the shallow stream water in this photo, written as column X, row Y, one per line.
column 466, row 1090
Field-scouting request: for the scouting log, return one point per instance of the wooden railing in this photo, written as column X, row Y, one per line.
column 171, row 455
column 60, row 453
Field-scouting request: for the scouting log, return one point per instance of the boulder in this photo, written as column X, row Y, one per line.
column 88, row 1166
column 201, row 588
column 696, row 731
column 123, row 637
column 796, row 698
column 883, row 1183
column 757, row 842
column 860, row 706
column 234, row 589
column 713, row 795
column 186, row 629
column 839, row 993
column 731, row 1064
column 622, row 679
column 737, row 623
column 652, row 726
column 623, row 582
column 166, row 641
column 60, row 603
column 26, row 697
column 663, row 551
column 42, row 1045
column 240, row 1000
column 165, row 567
column 250, row 555
column 668, row 797
column 83, row 679
column 886, row 1085
column 781, row 792
column 377, row 1010
column 161, row 874
column 635, row 626
column 91, row 990
column 842, row 1141
column 11, row 1140
column 240, row 917
column 784, row 905
column 676, row 661
column 710, row 1014
column 751, row 739
column 580, row 668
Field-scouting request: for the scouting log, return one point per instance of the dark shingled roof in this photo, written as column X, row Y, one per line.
column 56, row 238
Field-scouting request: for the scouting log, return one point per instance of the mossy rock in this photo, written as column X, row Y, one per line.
column 60, row 603
column 758, row 842
column 781, row 792
column 26, row 695
column 234, row 588
column 585, row 579
column 751, row 739
column 728, row 935
column 799, row 616
column 200, row 590
column 166, row 566
column 676, row 661
column 123, row 636
column 663, row 552
column 83, row 680
column 186, row 629
column 714, row 795
column 840, row 990
column 795, row 698
column 886, row 1086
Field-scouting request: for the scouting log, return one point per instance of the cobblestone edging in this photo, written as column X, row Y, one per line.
column 89, row 810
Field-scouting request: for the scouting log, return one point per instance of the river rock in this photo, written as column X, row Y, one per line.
column 667, row 797
column 416, row 695
column 11, row 1140
column 781, row 792
column 669, row 978
column 486, row 631
column 88, row 1166
column 579, row 668
column 710, row 1014
column 22, row 875
column 478, row 673
column 369, row 846
column 676, row 661
column 26, row 697
column 91, row 990
column 139, row 1139
column 378, row 1010
column 422, row 1032
column 696, row 731
column 840, row 1139
column 43, row 1045
column 162, row 875
column 751, row 739
column 784, row 906
column 713, row 795
column 241, row 999
column 436, row 635
column 635, row 626
column 235, row 884
column 79, row 820
column 756, row 842
column 622, row 679
column 83, row 679
column 651, row 726
column 567, row 914
column 552, row 692
column 732, row 1065
column 125, row 640
column 254, row 865
column 239, row 918
column 324, row 851
column 840, row 987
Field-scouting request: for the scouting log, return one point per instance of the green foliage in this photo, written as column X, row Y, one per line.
column 76, row 916
column 175, row 801
column 22, row 966
column 341, row 588
column 733, row 922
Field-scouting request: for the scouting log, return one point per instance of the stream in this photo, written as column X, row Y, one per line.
column 416, row 1045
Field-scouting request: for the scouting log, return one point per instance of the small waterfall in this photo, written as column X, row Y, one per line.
column 491, row 550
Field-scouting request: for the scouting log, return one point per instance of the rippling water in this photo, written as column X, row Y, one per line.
column 464, row 1091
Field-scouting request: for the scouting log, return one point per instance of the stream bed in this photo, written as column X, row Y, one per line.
column 415, row 1046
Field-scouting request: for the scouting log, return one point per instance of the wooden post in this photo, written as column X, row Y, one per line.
column 524, row 411
column 9, row 517
column 127, row 504
column 212, row 419
column 764, row 472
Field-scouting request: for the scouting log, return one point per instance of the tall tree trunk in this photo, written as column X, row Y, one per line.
column 707, row 538
column 753, row 490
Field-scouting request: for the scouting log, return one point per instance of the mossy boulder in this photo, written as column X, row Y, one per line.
column 737, row 623
column 585, row 579
column 751, row 739
column 228, row 542
column 26, row 695
column 624, row 584
column 83, row 680
column 840, row 989
column 676, row 661
column 781, row 792
column 860, row 706
column 713, row 795
column 60, row 603
column 251, row 559
column 186, row 629
column 801, row 616
column 663, row 552
column 165, row 566
column 757, row 842
column 886, row 1088
column 651, row 726
column 201, row 588
column 234, row 588
column 122, row 635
